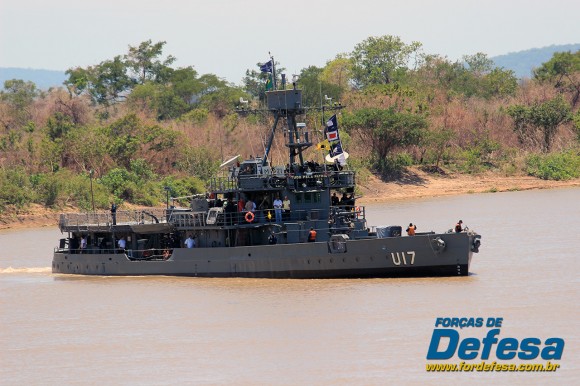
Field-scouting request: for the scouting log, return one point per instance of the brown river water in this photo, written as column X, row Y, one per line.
column 75, row 330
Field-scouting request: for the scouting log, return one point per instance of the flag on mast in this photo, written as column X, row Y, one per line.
column 267, row 67
column 332, row 135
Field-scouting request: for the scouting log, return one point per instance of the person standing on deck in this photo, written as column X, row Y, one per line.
column 278, row 205
column 334, row 199
column 114, row 213
column 312, row 235
column 189, row 242
column 83, row 243
column 122, row 243
column 286, row 207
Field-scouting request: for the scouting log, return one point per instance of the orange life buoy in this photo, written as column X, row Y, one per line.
column 249, row 217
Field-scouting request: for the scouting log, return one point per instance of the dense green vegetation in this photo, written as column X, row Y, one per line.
column 135, row 128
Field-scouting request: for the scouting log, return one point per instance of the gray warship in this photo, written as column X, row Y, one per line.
column 296, row 221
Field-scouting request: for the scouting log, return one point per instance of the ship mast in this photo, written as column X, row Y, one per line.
column 287, row 103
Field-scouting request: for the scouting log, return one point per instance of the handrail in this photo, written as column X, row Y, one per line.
column 82, row 222
column 275, row 180
column 105, row 219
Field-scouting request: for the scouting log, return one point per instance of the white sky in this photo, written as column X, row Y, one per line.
column 226, row 37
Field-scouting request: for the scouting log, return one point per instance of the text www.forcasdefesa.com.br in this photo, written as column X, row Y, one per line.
column 492, row 366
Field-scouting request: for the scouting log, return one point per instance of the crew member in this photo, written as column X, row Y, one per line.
column 286, row 207
column 83, row 243
column 334, row 199
column 312, row 235
column 411, row 229
column 114, row 213
column 189, row 242
column 458, row 226
column 278, row 205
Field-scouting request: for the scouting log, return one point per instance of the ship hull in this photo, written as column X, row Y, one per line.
column 373, row 257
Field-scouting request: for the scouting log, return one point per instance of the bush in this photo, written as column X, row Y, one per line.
column 48, row 187
column 179, row 187
column 15, row 188
column 393, row 165
column 120, row 182
column 555, row 166
column 362, row 169
column 197, row 116
column 77, row 191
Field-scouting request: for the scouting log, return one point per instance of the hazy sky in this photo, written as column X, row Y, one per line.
column 226, row 37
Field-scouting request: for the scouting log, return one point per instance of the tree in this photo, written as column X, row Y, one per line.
column 522, row 128
column 381, row 60
column 564, row 71
column 438, row 140
column 217, row 95
column 146, row 64
column 541, row 118
column 19, row 96
column 386, row 129
column 109, row 81
column 438, row 72
column 58, row 125
column 337, row 72
column 479, row 64
column 314, row 89
column 548, row 116
column 254, row 84
column 106, row 83
column 499, row 83
column 85, row 148
column 475, row 77
column 79, row 80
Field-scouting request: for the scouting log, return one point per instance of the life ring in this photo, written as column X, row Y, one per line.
column 249, row 217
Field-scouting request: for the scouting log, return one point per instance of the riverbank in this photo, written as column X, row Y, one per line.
column 415, row 184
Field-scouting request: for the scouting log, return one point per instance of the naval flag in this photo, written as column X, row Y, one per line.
column 332, row 129
column 269, row 85
column 267, row 67
column 336, row 151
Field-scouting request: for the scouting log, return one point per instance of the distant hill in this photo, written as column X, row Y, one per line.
column 523, row 62
column 44, row 79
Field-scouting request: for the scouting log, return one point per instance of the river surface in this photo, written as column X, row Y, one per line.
column 75, row 330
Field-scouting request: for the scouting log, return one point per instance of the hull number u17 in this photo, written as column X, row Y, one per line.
column 406, row 258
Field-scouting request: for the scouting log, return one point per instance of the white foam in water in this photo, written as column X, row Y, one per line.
column 26, row 270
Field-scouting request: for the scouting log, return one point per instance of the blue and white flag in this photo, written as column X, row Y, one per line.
column 267, row 67
column 336, row 151
column 332, row 129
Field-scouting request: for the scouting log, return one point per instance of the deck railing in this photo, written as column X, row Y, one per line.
column 81, row 221
column 293, row 181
